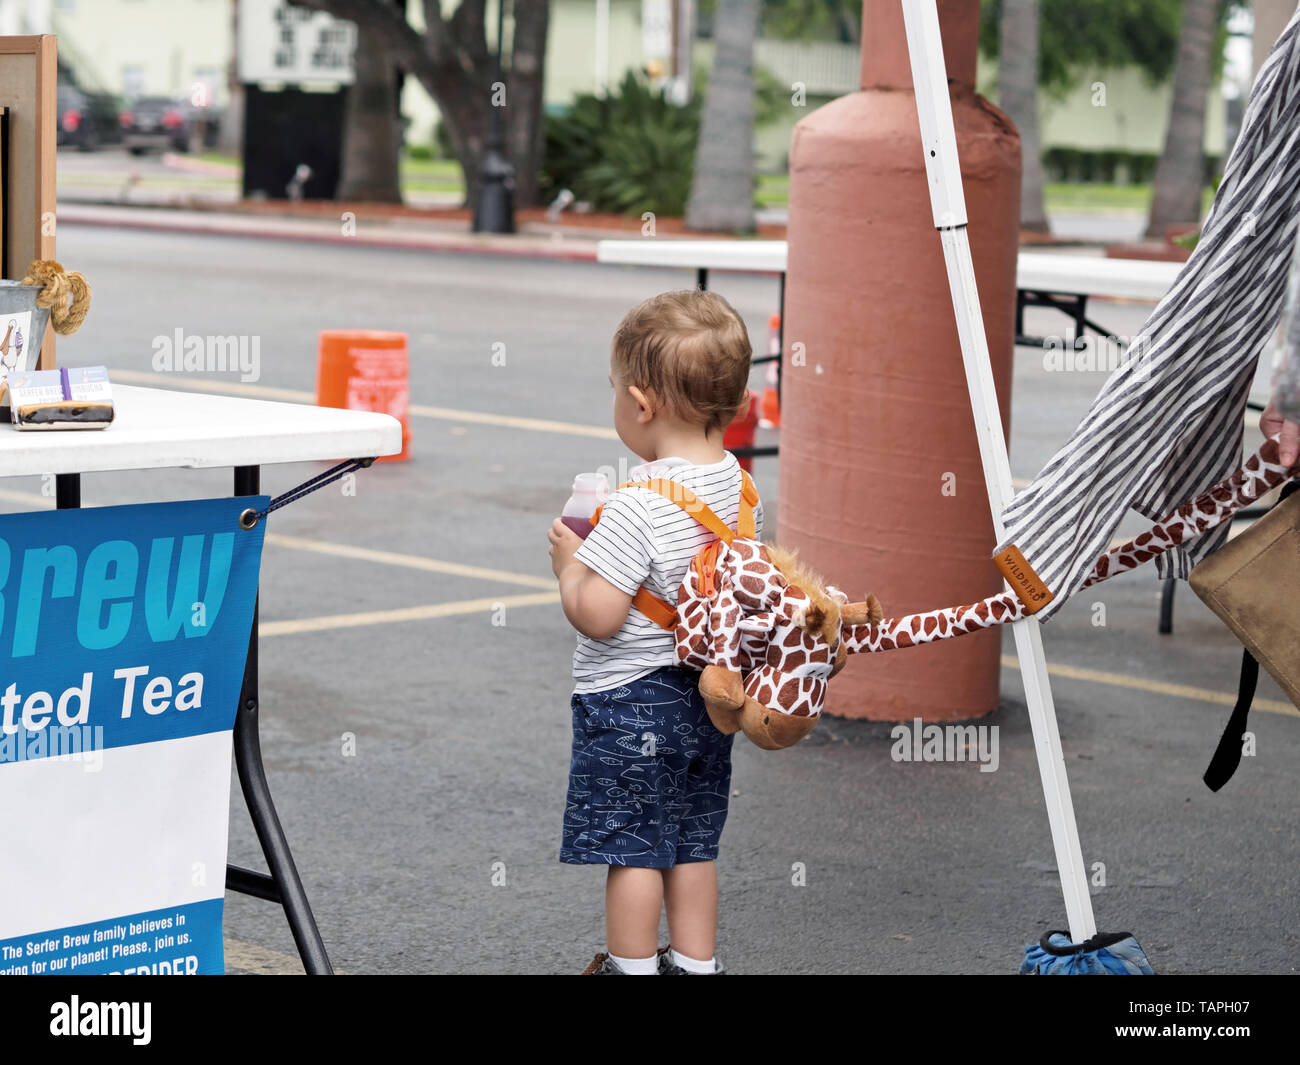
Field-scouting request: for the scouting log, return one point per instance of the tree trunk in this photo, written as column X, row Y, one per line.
column 1180, row 175
column 465, row 120
column 1018, row 97
column 372, row 137
column 722, row 193
column 453, row 63
column 524, row 111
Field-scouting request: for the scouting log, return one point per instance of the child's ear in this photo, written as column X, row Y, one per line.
column 644, row 402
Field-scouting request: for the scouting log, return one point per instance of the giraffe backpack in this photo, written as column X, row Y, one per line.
column 760, row 627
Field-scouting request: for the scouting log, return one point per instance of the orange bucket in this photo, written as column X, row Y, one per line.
column 366, row 369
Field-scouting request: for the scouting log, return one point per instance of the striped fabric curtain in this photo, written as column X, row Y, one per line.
column 1168, row 422
column 1286, row 346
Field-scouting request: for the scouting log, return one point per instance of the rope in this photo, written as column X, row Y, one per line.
column 1256, row 477
column 251, row 517
column 58, row 287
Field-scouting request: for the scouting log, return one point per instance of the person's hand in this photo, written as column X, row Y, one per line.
column 564, row 542
column 1272, row 423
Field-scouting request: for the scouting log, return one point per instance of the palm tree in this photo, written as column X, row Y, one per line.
column 1018, row 97
column 722, row 193
column 1180, row 174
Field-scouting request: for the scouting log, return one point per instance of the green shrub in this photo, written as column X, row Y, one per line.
column 1109, row 165
column 642, row 169
column 420, row 153
column 630, row 151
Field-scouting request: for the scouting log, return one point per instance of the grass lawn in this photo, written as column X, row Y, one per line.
column 773, row 190
column 216, row 157
column 1105, row 199
column 431, row 175
column 444, row 175
column 423, row 175
column 1098, row 198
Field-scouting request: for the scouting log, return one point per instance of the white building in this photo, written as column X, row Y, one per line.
column 133, row 47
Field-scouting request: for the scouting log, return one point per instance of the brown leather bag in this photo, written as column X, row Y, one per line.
column 1253, row 584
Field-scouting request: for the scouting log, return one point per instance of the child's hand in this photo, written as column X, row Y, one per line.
column 564, row 542
column 593, row 606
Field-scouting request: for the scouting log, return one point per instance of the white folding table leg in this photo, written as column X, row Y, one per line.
column 939, row 141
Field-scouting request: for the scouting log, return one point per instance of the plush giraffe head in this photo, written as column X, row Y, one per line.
column 765, row 631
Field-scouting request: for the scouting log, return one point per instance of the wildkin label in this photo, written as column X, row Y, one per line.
column 1023, row 580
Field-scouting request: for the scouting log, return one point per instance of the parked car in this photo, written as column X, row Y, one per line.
column 156, row 123
column 87, row 120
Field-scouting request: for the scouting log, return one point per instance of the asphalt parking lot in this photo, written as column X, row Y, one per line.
column 419, row 617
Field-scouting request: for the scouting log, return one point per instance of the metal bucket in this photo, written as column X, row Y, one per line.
column 22, row 326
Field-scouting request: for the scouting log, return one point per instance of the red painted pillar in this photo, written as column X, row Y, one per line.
column 882, row 489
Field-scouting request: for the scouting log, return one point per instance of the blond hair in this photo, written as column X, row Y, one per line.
column 690, row 349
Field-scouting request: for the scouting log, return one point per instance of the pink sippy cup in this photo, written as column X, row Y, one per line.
column 590, row 490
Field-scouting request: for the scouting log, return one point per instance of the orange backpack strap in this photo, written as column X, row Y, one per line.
column 691, row 503
column 660, row 611
column 748, row 500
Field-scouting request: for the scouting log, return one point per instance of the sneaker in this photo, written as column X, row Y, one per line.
column 668, row 967
column 603, row 965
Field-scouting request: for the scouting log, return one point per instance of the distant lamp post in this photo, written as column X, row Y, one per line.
column 495, row 210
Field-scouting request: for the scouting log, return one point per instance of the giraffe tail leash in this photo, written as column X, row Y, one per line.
column 1256, row 477
column 767, row 634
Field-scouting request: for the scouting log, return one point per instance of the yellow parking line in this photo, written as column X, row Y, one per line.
column 509, row 421
column 418, row 410
column 262, row 961
column 30, row 499
column 410, row 613
column 393, row 558
column 362, row 554
column 1160, row 687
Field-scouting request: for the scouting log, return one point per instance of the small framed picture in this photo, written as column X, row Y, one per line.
column 16, row 349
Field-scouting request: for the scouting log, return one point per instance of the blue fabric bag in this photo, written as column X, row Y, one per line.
column 1105, row 954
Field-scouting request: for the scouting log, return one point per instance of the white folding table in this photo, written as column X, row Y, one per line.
column 1043, row 279
column 1066, row 282
column 158, row 429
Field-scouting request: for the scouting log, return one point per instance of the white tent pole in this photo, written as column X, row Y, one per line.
column 939, row 140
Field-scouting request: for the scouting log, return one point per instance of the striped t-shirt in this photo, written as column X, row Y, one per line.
column 644, row 539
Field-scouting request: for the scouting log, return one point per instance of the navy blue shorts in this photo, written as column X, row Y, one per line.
column 649, row 776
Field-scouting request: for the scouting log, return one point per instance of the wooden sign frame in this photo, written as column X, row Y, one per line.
column 29, row 94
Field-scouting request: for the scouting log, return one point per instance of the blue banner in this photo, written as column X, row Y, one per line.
column 123, row 638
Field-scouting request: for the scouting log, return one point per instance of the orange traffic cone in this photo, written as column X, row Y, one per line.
column 770, row 417
column 366, row 369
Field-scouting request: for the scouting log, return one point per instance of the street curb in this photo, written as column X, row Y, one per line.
column 70, row 216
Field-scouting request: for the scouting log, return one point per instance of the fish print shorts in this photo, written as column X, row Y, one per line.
column 649, row 775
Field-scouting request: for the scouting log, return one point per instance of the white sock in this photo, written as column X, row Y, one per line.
column 638, row 966
column 693, row 965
